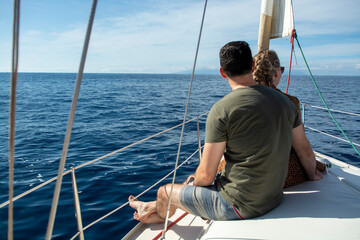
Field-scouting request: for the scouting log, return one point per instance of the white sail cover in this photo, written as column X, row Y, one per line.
column 282, row 15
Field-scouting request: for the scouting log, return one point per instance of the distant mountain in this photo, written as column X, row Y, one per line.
column 209, row 71
column 206, row 71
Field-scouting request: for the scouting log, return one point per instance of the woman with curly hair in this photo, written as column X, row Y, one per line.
column 268, row 71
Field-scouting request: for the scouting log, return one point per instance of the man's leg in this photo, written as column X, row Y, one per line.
column 145, row 211
column 155, row 211
column 162, row 200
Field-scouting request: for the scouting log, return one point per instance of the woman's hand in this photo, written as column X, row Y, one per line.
column 190, row 180
column 315, row 176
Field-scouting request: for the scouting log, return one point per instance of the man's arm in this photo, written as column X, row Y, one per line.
column 206, row 171
column 303, row 149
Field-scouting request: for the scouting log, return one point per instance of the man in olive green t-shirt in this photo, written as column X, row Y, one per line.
column 255, row 126
column 256, row 123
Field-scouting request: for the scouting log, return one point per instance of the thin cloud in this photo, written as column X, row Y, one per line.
column 161, row 36
column 327, row 17
column 333, row 50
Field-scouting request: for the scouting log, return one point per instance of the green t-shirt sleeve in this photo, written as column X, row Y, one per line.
column 215, row 125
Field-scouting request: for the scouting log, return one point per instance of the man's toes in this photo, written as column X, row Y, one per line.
column 136, row 216
column 132, row 198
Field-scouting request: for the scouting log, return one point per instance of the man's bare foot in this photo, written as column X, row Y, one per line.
column 144, row 210
column 152, row 218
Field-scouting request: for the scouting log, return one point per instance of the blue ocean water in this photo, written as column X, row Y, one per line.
column 115, row 110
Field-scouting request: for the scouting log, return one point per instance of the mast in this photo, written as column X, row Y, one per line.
column 265, row 24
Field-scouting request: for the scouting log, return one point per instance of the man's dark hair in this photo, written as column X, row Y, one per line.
column 236, row 58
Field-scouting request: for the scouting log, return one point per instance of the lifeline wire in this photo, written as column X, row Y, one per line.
column 328, row 109
column 95, row 160
column 329, row 135
column 333, row 110
column 185, row 114
column 12, row 114
column 136, row 197
column 70, row 124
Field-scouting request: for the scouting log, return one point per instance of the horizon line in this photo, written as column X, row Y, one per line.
column 175, row 73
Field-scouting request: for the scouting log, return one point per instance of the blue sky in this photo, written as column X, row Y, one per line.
column 160, row 36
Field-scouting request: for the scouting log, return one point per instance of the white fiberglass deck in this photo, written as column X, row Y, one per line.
column 326, row 209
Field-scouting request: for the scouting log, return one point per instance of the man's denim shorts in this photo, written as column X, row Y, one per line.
column 207, row 202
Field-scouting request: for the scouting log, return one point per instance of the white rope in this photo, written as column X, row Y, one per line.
column 95, row 160
column 341, row 139
column 185, row 115
column 12, row 115
column 333, row 110
column 70, row 124
column 137, row 197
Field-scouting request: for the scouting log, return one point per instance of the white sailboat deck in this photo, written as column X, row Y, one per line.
column 325, row 209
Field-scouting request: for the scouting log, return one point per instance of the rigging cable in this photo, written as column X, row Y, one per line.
column 12, row 114
column 293, row 34
column 69, row 126
column 95, row 160
column 185, row 114
column 323, row 100
column 137, row 197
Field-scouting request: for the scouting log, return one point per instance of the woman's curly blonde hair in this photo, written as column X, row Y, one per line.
column 266, row 62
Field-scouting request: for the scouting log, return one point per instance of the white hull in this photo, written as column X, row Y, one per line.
column 325, row 209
